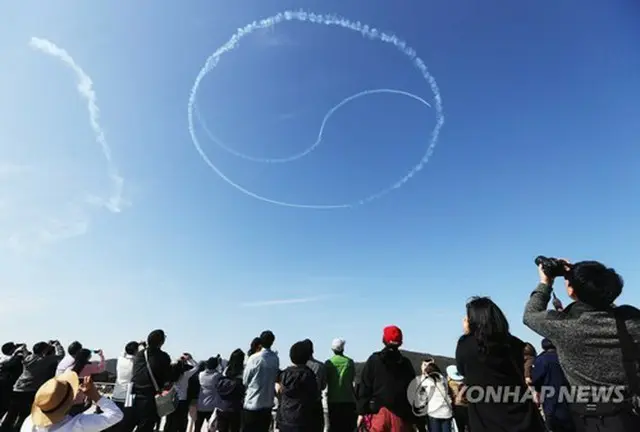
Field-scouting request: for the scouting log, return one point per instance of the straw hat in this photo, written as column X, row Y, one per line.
column 54, row 399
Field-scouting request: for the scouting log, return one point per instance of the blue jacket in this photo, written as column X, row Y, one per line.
column 546, row 372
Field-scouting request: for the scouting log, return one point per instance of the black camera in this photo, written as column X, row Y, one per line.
column 552, row 267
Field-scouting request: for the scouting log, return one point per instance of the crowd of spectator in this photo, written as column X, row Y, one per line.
column 590, row 344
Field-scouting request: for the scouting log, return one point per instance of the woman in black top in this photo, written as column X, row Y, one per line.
column 491, row 361
column 230, row 394
column 144, row 405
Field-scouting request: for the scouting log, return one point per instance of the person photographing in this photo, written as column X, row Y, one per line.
column 595, row 340
column 54, row 400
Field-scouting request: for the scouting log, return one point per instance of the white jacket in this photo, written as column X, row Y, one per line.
column 124, row 372
column 439, row 403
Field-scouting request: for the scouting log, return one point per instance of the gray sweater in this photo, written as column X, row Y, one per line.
column 319, row 370
column 37, row 370
column 586, row 339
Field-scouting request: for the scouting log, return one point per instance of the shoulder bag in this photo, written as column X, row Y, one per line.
column 166, row 402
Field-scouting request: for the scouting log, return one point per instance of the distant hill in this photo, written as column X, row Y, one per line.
column 109, row 375
column 111, row 366
column 416, row 360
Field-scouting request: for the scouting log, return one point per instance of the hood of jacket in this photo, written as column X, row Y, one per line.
column 293, row 382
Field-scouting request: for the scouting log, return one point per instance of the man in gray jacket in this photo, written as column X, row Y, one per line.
column 588, row 336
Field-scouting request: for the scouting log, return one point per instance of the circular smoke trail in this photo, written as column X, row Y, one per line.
column 331, row 21
column 318, row 141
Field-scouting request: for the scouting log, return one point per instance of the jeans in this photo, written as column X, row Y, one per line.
column 439, row 425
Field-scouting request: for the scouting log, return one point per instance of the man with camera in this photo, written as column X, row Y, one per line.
column 595, row 340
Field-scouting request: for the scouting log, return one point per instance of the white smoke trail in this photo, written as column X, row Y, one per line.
column 115, row 202
column 328, row 20
column 318, row 141
column 282, row 302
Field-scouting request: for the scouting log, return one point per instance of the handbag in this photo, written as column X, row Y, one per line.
column 167, row 402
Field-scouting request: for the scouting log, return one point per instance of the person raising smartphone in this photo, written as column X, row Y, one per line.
column 54, row 400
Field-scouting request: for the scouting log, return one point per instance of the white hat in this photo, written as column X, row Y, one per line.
column 452, row 372
column 338, row 344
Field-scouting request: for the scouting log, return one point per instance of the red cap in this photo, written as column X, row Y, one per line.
column 392, row 335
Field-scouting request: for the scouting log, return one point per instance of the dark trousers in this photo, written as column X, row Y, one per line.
column 342, row 417
column 144, row 414
column 461, row 417
column 19, row 409
column 201, row 418
column 555, row 424
column 288, row 428
column 6, row 391
column 229, row 421
column 126, row 424
column 318, row 422
column 256, row 421
column 178, row 420
column 438, row 425
column 625, row 421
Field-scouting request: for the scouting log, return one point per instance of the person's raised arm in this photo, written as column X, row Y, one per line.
column 56, row 356
column 95, row 367
column 194, row 367
column 110, row 415
column 547, row 323
column 58, row 350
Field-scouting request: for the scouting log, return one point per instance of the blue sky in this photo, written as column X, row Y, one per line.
column 538, row 155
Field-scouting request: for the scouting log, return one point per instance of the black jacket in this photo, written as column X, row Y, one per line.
column 10, row 371
column 299, row 398
column 384, row 381
column 160, row 365
column 586, row 339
